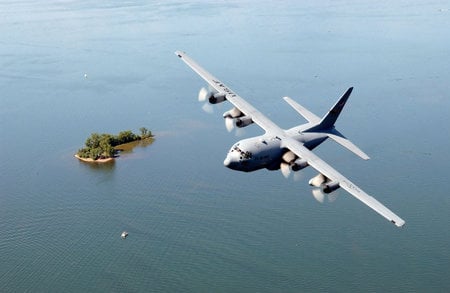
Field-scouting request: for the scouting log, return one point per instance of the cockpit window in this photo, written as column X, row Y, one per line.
column 246, row 155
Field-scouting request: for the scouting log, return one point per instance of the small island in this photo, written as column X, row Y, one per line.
column 102, row 148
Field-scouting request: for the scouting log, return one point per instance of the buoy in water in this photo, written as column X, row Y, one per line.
column 124, row 234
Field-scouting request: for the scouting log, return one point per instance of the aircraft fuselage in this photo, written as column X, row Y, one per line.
column 265, row 151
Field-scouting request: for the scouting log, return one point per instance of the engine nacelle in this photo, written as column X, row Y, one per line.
column 217, row 98
column 299, row 164
column 330, row 187
column 233, row 113
column 243, row 121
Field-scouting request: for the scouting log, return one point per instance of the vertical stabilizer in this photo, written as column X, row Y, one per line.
column 326, row 125
column 330, row 118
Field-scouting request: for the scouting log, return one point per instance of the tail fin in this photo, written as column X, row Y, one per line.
column 326, row 125
column 330, row 118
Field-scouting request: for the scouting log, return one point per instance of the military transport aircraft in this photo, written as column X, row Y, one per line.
column 286, row 149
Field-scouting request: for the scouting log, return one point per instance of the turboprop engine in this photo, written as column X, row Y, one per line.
column 299, row 164
column 235, row 117
column 211, row 95
column 326, row 184
column 330, row 186
column 243, row 121
column 217, row 98
column 233, row 113
column 291, row 162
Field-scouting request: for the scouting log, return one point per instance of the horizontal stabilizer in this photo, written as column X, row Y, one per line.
column 311, row 117
column 343, row 141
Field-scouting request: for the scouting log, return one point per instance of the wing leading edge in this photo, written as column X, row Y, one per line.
column 296, row 147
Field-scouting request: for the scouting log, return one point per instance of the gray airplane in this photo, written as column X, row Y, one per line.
column 288, row 150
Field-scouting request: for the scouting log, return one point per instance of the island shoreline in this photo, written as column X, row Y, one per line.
column 118, row 148
column 89, row 160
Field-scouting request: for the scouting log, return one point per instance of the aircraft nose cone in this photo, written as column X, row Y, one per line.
column 227, row 162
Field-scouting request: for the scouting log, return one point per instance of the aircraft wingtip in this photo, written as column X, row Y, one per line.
column 399, row 224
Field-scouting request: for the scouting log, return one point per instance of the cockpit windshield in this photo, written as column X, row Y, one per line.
column 245, row 155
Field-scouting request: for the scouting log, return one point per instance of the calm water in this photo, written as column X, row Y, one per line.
column 193, row 225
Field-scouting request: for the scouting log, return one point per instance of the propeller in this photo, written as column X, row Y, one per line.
column 285, row 169
column 203, row 96
column 321, row 196
column 229, row 123
column 239, row 132
column 318, row 180
column 318, row 194
column 285, row 165
column 208, row 108
column 298, row 176
column 231, row 126
column 321, row 183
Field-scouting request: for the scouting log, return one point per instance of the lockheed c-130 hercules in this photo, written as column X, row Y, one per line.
column 288, row 150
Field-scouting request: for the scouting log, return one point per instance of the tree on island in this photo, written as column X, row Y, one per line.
column 102, row 146
column 145, row 133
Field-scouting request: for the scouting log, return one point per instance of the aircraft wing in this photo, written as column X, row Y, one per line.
column 334, row 176
column 256, row 116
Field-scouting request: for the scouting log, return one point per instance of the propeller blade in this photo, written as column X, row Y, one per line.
column 298, row 176
column 333, row 196
column 208, row 108
column 240, row 132
column 285, row 169
column 318, row 180
column 321, row 196
column 318, row 194
column 288, row 157
column 229, row 124
column 203, row 94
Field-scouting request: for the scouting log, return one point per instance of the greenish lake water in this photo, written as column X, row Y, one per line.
column 70, row 68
